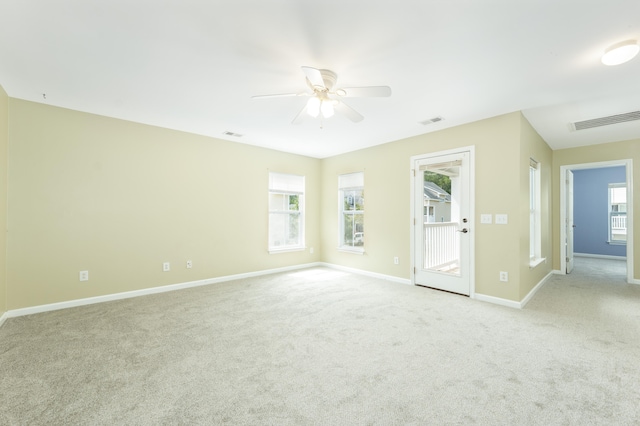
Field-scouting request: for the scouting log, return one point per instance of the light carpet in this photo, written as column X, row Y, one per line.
column 326, row 347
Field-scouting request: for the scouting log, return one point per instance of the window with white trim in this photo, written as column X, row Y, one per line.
column 351, row 211
column 617, row 213
column 535, row 231
column 286, row 212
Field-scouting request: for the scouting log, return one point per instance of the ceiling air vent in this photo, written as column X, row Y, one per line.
column 237, row 135
column 605, row 121
column 431, row 121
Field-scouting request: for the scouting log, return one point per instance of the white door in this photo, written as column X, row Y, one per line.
column 442, row 249
column 569, row 221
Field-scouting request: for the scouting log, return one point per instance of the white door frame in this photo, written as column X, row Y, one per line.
column 569, row 223
column 628, row 163
column 472, row 204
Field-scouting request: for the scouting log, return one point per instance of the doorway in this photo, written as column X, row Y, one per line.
column 613, row 220
column 442, row 233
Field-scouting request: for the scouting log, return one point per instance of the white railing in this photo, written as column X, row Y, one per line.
column 619, row 222
column 441, row 241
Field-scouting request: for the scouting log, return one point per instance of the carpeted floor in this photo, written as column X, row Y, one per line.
column 320, row 346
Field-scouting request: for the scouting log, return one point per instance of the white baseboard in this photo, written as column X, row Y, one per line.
column 367, row 273
column 497, row 300
column 535, row 289
column 512, row 303
column 600, row 256
column 3, row 318
column 143, row 292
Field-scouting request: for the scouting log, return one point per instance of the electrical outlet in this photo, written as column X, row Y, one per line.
column 504, row 276
column 166, row 266
column 396, row 260
column 486, row 218
column 84, row 275
column 189, row 264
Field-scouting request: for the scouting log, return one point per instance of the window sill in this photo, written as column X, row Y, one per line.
column 535, row 262
column 617, row 243
column 286, row 250
column 351, row 250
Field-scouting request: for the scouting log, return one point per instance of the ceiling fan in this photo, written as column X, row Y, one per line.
column 325, row 99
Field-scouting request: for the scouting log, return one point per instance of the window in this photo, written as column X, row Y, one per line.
column 351, row 210
column 617, row 213
column 286, row 212
column 535, row 231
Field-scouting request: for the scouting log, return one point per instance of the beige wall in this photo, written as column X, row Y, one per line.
column 499, row 168
column 594, row 154
column 118, row 198
column 4, row 135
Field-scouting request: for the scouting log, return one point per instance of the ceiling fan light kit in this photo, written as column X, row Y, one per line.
column 324, row 99
column 621, row 52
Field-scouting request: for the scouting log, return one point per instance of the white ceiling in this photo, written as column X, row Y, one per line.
column 194, row 65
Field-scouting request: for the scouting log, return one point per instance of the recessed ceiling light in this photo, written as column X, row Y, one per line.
column 621, row 52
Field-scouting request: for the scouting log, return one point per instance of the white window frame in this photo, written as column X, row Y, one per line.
column 287, row 185
column 349, row 182
column 535, row 216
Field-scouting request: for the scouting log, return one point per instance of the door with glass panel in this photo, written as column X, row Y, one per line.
column 443, row 222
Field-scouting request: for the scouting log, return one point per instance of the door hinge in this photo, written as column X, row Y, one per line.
column 567, row 259
column 414, row 221
column 414, row 270
column 414, row 172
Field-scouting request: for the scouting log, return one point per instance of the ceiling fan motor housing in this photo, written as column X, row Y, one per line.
column 329, row 78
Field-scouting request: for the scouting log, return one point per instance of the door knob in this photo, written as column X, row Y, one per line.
column 463, row 230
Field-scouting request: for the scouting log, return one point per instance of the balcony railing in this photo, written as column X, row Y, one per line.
column 618, row 228
column 619, row 222
column 441, row 246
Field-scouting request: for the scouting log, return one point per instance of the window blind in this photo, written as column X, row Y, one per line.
column 351, row 180
column 280, row 182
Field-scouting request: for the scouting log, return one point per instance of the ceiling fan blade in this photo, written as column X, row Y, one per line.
column 300, row 116
column 314, row 75
column 364, row 92
column 347, row 111
column 279, row 95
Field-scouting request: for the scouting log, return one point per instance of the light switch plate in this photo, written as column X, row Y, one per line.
column 486, row 218
column 501, row 219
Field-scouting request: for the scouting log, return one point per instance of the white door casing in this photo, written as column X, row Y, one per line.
column 570, row 226
column 628, row 163
column 433, row 264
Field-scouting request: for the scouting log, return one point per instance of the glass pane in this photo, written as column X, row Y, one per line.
column 277, row 225
column 293, row 231
column 294, row 203
column 348, row 229
column 353, row 227
column 441, row 223
column 277, row 201
column 358, row 230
